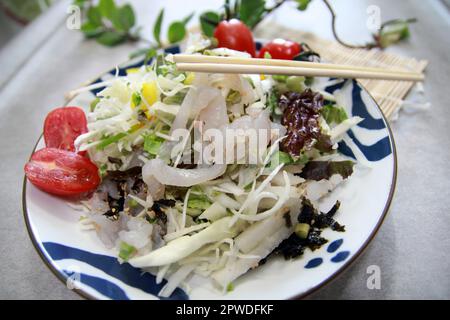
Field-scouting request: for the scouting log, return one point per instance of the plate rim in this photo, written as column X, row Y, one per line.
column 303, row 295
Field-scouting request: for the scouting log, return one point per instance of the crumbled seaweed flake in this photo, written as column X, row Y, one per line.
column 325, row 220
column 291, row 247
column 287, row 219
column 160, row 215
column 314, row 240
column 308, row 212
column 318, row 170
column 115, row 160
column 123, row 175
column 115, row 206
column 166, row 202
column 295, row 246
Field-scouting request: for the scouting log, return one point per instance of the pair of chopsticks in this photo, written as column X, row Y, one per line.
column 216, row 64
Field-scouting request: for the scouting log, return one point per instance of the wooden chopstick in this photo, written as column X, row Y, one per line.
column 214, row 64
column 190, row 58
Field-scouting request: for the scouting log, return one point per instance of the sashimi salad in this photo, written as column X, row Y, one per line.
column 158, row 178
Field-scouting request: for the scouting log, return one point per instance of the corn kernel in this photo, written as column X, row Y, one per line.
column 150, row 92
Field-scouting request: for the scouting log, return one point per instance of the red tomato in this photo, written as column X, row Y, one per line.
column 281, row 49
column 61, row 172
column 62, row 126
column 234, row 34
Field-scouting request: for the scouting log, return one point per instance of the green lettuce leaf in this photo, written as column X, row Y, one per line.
column 152, row 143
column 333, row 114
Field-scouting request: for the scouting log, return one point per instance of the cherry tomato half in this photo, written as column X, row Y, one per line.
column 61, row 172
column 234, row 34
column 281, row 49
column 62, row 126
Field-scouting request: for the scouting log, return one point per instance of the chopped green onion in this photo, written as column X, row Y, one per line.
column 126, row 251
column 302, row 230
column 267, row 55
column 230, row 287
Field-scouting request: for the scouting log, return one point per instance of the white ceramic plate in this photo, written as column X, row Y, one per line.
column 78, row 256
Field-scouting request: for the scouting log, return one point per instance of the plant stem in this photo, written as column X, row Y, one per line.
column 268, row 11
column 336, row 36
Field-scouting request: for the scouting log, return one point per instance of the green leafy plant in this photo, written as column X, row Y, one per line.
column 111, row 24
column 108, row 23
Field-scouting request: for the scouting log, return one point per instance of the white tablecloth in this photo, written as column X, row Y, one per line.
column 413, row 245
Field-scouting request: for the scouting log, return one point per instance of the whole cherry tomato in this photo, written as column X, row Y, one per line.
column 62, row 172
column 234, row 34
column 281, row 49
column 62, row 126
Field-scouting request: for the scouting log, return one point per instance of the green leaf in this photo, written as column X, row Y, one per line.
column 302, row 4
column 152, row 143
column 176, row 32
column 188, row 18
column 138, row 53
column 280, row 157
column 394, row 31
column 111, row 38
column 157, row 27
column 251, row 11
column 151, row 53
column 94, row 16
column 208, row 22
column 333, row 114
column 107, row 8
column 124, row 18
column 80, row 3
column 91, row 30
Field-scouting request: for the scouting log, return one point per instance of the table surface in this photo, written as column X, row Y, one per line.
column 413, row 245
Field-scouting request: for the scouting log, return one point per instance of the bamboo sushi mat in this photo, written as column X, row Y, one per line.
column 388, row 94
